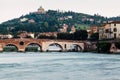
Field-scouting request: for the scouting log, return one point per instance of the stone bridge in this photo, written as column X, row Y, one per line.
column 22, row 43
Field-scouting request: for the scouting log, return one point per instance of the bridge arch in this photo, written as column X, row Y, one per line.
column 75, row 48
column 55, row 47
column 10, row 47
column 33, row 47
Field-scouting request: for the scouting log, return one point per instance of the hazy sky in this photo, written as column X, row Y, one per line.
column 10, row 9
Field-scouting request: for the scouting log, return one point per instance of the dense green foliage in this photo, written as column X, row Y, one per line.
column 65, row 36
column 31, row 49
column 78, row 35
column 10, row 49
column 117, row 44
column 46, row 37
column 103, row 47
column 81, row 35
column 49, row 22
column 94, row 37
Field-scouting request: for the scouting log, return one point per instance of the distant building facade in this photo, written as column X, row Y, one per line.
column 48, row 34
column 110, row 30
column 7, row 36
column 64, row 28
column 23, row 19
column 25, row 34
column 94, row 29
column 101, row 33
column 41, row 10
column 73, row 29
column 31, row 21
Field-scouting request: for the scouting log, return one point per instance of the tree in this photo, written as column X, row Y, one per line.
column 46, row 24
column 104, row 47
column 80, row 35
column 51, row 21
column 94, row 36
column 65, row 36
column 28, row 36
column 46, row 37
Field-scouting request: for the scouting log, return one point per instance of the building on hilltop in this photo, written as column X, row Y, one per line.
column 41, row 10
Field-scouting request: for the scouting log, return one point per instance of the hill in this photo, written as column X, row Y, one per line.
column 51, row 21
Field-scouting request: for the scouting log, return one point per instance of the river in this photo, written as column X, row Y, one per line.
column 59, row 66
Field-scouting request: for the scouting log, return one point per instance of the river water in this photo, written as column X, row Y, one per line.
column 59, row 66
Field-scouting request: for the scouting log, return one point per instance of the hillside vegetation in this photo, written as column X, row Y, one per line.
column 51, row 21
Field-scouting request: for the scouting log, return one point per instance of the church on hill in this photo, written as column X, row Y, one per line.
column 41, row 10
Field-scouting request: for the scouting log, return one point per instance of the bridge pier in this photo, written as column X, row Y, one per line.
column 21, row 50
column 1, row 47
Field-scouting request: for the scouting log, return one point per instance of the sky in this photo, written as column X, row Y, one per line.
column 10, row 9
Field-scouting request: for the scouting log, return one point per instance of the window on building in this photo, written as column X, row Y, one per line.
column 110, row 30
column 114, row 36
column 115, row 29
column 65, row 45
column 106, row 30
column 114, row 24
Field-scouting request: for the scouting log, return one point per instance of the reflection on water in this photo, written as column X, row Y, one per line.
column 59, row 66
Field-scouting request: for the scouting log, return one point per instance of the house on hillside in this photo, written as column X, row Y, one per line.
column 25, row 34
column 94, row 29
column 7, row 36
column 64, row 28
column 48, row 34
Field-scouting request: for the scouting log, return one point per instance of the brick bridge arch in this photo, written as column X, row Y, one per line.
column 65, row 44
column 11, row 44
column 55, row 44
column 78, row 46
column 21, row 44
column 39, row 44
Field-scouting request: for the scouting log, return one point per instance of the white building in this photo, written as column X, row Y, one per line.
column 25, row 34
column 110, row 30
column 41, row 10
column 7, row 36
column 32, row 35
column 115, row 29
column 23, row 19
